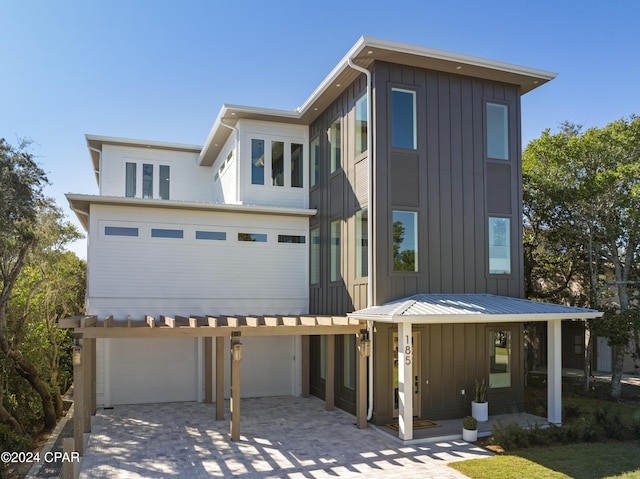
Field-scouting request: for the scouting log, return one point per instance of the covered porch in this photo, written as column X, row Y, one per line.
column 433, row 309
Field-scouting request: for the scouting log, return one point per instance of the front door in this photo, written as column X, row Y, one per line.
column 415, row 340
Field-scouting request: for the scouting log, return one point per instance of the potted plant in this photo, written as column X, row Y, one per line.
column 470, row 429
column 479, row 405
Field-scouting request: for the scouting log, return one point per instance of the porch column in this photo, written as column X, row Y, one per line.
column 219, row 378
column 88, row 346
column 305, row 366
column 554, row 371
column 329, row 380
column 405, row 382
column 208, row 370
column 78, row 399
column 361, row 379
column 234, row 401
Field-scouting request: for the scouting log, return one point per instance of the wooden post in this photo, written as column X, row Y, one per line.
column 94, row 362
column 78, row 400
column 88, row 347
column 67, row 466
column 208, row 370
column 305, row 366
column 329, row 382
column 361, row 383
column 234, row 402
column 219, row 378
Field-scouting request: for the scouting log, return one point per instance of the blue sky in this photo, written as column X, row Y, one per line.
column 160, row 70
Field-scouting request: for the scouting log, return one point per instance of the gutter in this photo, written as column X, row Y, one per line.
column 369, row 225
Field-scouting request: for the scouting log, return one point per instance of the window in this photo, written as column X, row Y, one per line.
column 164, row 182
column 296, row 165
column 253, row 237
column 120, row 231
column 499, row 359
column 334, row 141
column 362, row 243
column 362, row 106
column 349, row 366
column 314, row 177
column 499, row 246
column 403, row 119
column 277, row 163
column 166, row 233
column 405, row 241
column 334, row 252
column 314, row 267
column 211, row 235
column 130, row 181
column 497, row 131
column 147, row 181
column 257, row 162
column 291, row 239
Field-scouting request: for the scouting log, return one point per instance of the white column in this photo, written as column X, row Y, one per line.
column 405, row 382
column 554, row 371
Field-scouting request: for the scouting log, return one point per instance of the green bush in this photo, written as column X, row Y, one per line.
column 11, row 441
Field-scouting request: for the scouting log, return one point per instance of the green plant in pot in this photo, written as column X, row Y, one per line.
column 470, row 429
column 479, row 405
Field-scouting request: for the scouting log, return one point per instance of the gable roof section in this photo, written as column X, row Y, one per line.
column 469, row 308
column 364, row 53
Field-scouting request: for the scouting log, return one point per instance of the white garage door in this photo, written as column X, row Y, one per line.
column 152, row 370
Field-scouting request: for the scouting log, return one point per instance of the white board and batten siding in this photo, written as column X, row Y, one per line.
column 144, row 275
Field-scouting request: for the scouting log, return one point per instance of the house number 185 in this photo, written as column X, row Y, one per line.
column 408, row 353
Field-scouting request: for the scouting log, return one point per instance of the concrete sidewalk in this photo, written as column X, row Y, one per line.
column 281, row 437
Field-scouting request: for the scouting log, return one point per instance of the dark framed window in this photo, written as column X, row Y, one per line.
column 405, row 240
column 211, row 235
column 497, row 121
column 403, row 119
column 120, row 231
column 257, row 162
column 166, row 233
column 253, row 237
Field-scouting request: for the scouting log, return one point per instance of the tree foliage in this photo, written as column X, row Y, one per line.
column 581, row 193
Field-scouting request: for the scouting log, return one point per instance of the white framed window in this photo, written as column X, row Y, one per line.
column 404, row 133
column 499, row 245
column 147, row 179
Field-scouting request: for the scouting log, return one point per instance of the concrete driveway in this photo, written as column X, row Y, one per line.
column 281, row 437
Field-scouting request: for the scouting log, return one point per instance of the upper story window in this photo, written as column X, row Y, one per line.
column 257, row 162
column 314, row 256
column 334, row 140
column 497, row 131
column 362, row 243
column 403, row 119
column 499, row 245
column 405, row 241
column 277, row 163
column 314, row 171
column 362, row 107
column 297, row 173
column 147, row 178
column 334, row 251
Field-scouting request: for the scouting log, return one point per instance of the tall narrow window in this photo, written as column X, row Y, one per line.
column 314, row 267
column 349, row 367
column 499, row 359
column 147, row 181
column 497, row 131
column 314, row 176
column 362, row 243
column 277, row 163
column 257, row 162
column 405, row 241
column 334, row 253
column 296, row 165
column 130, row 180
column 499, row 246
column 403, row 119
column 164, row 182
column 362, row 106
column 334, row 140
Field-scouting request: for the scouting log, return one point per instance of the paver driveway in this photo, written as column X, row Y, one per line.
column 283, row 437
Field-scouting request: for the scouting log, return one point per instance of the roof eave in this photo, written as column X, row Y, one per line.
column 474, row 318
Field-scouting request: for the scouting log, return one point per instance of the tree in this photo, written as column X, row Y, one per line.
column 581, row 195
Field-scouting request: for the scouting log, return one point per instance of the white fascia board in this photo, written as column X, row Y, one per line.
column 164, row 145
column 471, row 318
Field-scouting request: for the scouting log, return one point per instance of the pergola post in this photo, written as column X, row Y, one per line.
column 363, row 352
column 329, row 380
column 208, row 370
column 219, row 378
column 554, row 371
column 88, row 353
column 78, row 398
column 305, row 340
column 405, row 382
column 234, row 402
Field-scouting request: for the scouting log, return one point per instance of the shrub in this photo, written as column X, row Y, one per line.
column 13, row 442
column 470, row 423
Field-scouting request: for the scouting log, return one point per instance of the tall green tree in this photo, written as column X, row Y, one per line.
column 581, row 194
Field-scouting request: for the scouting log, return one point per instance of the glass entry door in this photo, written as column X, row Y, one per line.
column 415, row 340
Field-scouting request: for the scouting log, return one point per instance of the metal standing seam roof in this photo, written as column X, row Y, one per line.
column 469, row 308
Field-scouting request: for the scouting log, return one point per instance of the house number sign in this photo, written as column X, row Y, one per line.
column 408, row 353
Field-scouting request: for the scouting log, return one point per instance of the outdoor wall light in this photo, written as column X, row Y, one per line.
column 236, row 351
column 365, row 345
column 77, row 355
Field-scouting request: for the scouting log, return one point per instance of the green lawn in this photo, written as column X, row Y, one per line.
column 620, row 460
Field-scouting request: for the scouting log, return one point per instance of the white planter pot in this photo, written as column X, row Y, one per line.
column 480, row 410
column 469, row 435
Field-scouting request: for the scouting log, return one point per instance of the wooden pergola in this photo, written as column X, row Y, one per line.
column 88, row 328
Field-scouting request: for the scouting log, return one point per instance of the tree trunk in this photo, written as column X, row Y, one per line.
column 616, row 375
column 12, row 422
column 27, row 370
column 588, row 355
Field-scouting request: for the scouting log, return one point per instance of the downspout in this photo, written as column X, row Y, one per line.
column 235, row 129
column 369, row 227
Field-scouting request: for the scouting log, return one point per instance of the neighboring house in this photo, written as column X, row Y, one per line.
column 387, row 208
